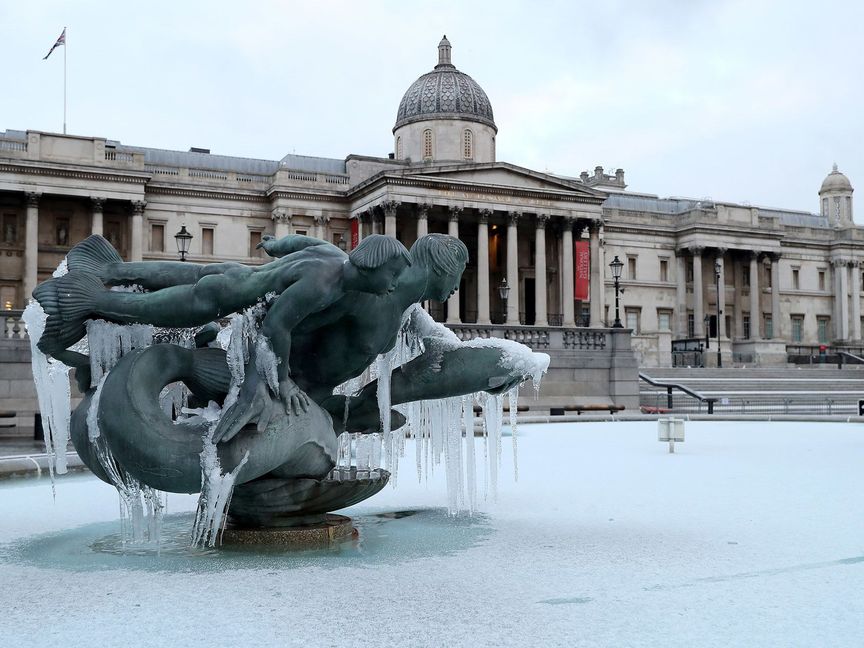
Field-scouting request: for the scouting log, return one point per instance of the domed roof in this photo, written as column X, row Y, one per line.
column 445, row 93
column 836, row 181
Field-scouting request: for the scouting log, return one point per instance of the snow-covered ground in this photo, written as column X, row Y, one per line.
column 752, row 534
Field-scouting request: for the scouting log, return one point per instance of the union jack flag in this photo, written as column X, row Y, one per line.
column 60, row 41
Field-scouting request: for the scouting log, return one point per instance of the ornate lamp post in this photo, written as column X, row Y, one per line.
column 616, row 267
column 183, row 239
column 717, row 270
column 504, row 294
column 343, row 243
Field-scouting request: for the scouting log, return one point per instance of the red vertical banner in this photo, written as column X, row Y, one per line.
column 582, row 270
column 355, row 232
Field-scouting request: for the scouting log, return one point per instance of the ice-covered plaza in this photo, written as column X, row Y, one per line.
column 751, row 534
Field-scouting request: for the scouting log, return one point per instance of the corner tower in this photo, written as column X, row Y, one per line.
column 445, row 116
column 835, row 198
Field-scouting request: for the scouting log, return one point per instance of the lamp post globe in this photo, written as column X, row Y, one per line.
column 183, row 238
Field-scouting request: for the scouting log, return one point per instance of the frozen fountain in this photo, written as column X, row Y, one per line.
column 279, row 393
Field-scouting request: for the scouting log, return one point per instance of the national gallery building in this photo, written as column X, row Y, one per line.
column 540, row 245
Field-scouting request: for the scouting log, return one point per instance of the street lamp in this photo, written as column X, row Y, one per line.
column 707, row 322
column 504, row 290
column 718, row 268
column 183, row 238
column 616, row 267
column 342, row 243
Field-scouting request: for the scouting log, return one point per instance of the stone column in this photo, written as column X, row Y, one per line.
column 777, row 323
column 737, row 296
column 96, row 205
column 597, row 281
column 567, row 272
column 721, row 291
column 321, row 222
column 282, row 220
column 755, row 306
column 136, row 251
column 422, row 220
column 513, row 267
column 856, row 299
column 540, row 316
column 681, row 296
column 31, row 245
column 483, row 267
column 453, row 303
column 390, row 207
column 844, row 299
column 698, row 299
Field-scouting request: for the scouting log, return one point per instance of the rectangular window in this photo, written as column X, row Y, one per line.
column 664, row 320
column 821, row 280
column 745, row 324
column 10, row 228
column 768, row 282
column 7, row 297
column 61, row 231
column 795, row 279
column 254, row 240
column 768, row 326
column 664, row 270
column 207, row 241
column 157, row 237
column 632, row 317
column 690, row 272
column 797, row 328
column 631, row 267
column 745, row 276
column 114, row 233
column 823, row 329
column 691, row 325
column 301, row 232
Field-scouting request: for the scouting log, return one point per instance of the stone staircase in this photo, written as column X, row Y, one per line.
column 817, row 391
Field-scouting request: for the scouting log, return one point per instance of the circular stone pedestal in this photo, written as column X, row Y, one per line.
column 332, row 529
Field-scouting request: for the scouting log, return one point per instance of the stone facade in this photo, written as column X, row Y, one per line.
column 786, row 277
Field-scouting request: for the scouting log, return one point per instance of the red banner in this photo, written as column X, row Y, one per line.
column 582, row 270
column 355, row 232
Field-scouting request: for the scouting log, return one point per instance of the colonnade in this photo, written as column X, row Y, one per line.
column 459, row 219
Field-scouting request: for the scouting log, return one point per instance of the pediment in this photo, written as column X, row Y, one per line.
column 505, row 175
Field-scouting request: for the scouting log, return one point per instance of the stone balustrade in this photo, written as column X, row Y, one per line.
column 12, row 326
column 539, row 338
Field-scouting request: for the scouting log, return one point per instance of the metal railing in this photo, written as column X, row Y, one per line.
column 834, row 405
column 670, row 402
column 848, row 358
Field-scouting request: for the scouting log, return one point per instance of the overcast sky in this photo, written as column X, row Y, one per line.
column 741, row 101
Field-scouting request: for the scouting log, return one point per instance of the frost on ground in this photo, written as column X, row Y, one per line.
column 749, row 535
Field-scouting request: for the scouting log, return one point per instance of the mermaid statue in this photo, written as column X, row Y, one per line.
column 319, row 343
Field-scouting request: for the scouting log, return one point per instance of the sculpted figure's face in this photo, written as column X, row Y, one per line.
column 440, row 287
column 382, row 280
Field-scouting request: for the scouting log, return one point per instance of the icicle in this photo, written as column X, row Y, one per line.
column 513, row 401
column 216, row 487
column 141, row 505
column 109, row 342
column 52, row 389
column 470, row 462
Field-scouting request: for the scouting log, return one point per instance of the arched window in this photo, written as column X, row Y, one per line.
column 468, row 145
column 427, row 144
column 399, row 148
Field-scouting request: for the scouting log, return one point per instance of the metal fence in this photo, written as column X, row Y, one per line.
column 837, row 404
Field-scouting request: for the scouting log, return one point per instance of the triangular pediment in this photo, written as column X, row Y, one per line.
column 502, row 174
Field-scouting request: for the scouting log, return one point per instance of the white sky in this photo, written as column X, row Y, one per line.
column 741, row 101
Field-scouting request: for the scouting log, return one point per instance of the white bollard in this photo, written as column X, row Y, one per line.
column 670, row 430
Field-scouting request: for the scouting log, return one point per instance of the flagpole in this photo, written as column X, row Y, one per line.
column 64, row 82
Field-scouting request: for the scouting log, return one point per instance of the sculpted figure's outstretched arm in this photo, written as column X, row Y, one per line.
column 277, row 248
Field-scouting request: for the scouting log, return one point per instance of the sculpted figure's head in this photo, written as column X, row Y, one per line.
column 444, row 258
column 379, row 260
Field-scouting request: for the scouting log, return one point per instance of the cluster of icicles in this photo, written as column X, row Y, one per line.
column 443, row 430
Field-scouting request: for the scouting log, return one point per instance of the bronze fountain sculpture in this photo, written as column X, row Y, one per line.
column 251, row 414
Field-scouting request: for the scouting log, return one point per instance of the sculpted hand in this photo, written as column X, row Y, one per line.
column 293, row 399
column 254, row 403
